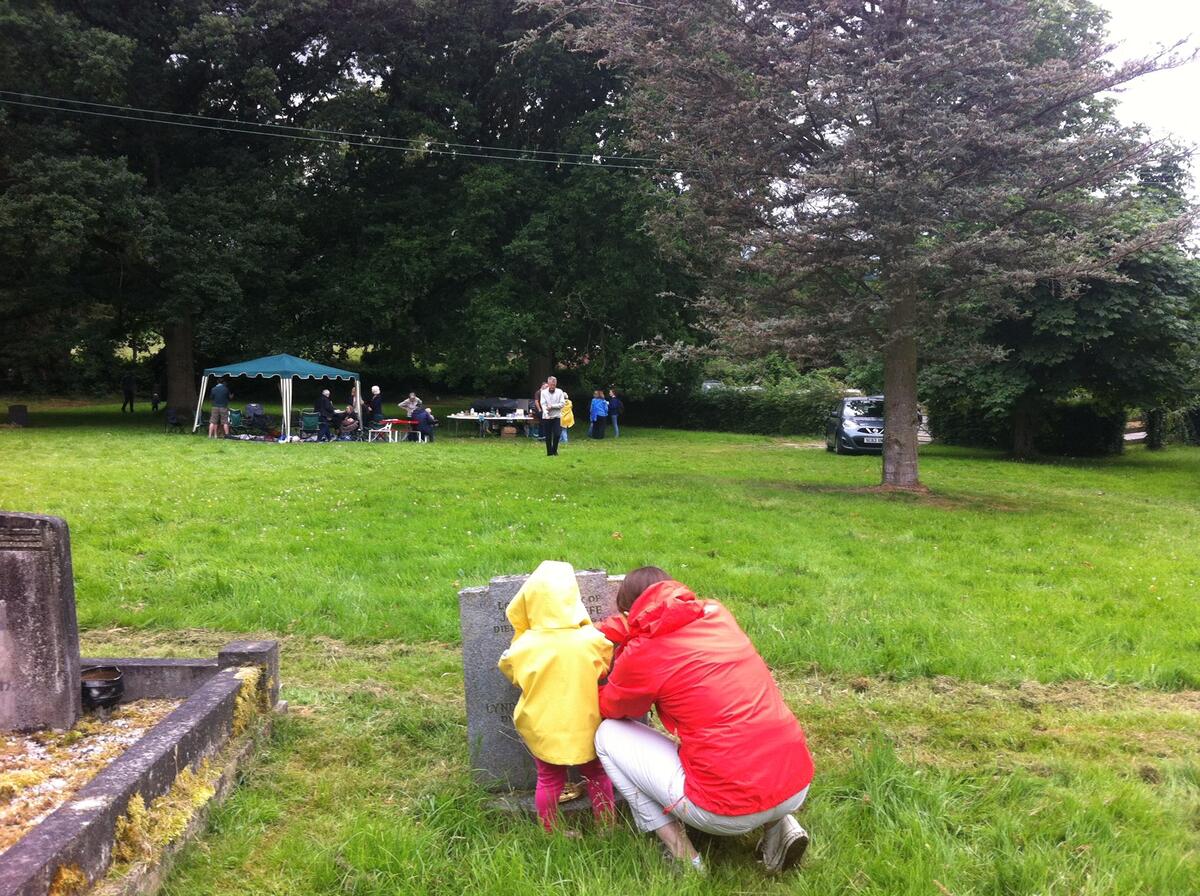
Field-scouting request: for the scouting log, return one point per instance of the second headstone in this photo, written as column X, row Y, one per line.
column 499, row 758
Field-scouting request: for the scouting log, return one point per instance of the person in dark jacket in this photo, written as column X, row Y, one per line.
column 535, row 412
column 375, row 407
column 616, row 407
column 128, row 385
column 325, row 413
column 740, row 761
column 425, row 422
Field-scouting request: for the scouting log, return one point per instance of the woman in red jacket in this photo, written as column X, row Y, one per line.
column 741, row 761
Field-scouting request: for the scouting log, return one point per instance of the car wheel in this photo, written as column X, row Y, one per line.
column 837, row 446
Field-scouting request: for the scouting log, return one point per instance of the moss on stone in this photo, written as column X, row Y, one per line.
column 249, row 699
column 69, row 880
column 14, row 782
column 133, row 832
column 145, row 830
column 41, row 770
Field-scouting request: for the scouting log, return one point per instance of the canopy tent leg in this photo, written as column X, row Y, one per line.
column 200, row 401
column 285, row 391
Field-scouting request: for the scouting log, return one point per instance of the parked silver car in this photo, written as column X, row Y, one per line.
column 855, row 425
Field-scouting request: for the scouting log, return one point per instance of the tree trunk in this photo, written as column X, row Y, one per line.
column 541, row 365
column 1024, row 421
column 181, row 367
column 900, row 413
column 1156, row 429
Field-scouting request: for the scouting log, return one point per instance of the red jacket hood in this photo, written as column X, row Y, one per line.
column 662, row 608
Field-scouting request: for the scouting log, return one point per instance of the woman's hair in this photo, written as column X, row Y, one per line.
column 636, row 582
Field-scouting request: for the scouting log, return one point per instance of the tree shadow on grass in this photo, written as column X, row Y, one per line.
column 918, row 498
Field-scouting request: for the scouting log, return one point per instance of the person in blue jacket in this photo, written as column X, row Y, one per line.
column 598, row 415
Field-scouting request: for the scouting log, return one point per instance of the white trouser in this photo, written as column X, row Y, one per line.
column 644, row 765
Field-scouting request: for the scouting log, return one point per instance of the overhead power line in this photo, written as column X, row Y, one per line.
column 331, row 137
column 311, row 130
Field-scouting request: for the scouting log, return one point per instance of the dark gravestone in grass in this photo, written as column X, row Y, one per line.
column 499, row 759
column 39, row 642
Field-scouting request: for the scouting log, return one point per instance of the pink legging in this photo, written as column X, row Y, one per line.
column 552, row 778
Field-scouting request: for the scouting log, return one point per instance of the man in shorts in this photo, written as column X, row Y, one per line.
column 218, row 420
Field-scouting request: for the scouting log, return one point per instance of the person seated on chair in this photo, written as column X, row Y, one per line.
column 325, row 414
column 425, row 422
column 349, row 427
column 374, row 412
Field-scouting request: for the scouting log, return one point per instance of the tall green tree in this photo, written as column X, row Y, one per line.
column 217, row 250
column 882, row 167
column 1128, row 342
column 489, row 268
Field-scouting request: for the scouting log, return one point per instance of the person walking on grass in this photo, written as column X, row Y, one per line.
column 128, row 385
column 552, row 400
column 567, row 420
column 555, row 658
column 218, row 420
column 597, row 415
column 741, row 761
column 616, row 407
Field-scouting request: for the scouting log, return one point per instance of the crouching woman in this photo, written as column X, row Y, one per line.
column 741, row 761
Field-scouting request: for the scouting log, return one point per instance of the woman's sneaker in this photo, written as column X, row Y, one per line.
column 783, row 845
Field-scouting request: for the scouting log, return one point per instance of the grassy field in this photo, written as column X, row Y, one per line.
column 998, row 680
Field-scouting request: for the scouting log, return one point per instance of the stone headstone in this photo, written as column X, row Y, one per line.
column 18, row 414
column 499, row 758
column 39, row 641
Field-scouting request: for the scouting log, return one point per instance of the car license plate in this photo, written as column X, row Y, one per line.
column 873, row 440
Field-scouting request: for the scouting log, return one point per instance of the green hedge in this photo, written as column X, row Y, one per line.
column 1075, row 428
column 769, row 411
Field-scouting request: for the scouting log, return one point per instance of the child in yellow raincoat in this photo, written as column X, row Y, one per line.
column 567, row 420
column 556, row 658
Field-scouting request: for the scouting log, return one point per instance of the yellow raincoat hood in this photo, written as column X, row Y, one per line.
column 556, row 658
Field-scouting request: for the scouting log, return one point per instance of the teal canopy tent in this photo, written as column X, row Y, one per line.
column 287, row 368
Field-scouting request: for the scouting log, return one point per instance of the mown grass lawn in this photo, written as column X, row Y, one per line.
column 999, row 680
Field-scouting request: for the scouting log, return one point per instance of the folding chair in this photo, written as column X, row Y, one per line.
column 310, row 422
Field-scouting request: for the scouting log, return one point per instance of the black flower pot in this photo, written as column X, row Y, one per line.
column 102, row 687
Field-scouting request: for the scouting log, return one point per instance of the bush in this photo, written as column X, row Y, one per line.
column 1183, row 426
column 1082, row 429
column 1070, row 428
column 800, row 409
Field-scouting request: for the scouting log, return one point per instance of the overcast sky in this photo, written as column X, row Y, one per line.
column 1167, row 102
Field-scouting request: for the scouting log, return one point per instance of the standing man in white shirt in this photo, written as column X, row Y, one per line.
column 552, row 401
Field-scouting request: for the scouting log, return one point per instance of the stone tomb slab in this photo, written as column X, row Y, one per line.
column 499, row 758
column 39, row 641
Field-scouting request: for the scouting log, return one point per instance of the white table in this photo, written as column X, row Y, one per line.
column 486, row 421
